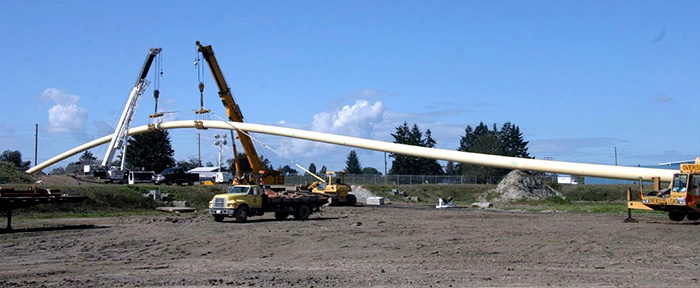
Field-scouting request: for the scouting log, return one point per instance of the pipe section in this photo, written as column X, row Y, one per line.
column 573, row 168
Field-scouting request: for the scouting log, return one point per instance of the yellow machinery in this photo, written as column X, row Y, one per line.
column 334, row 187
column 234, row 114
column 680, row 199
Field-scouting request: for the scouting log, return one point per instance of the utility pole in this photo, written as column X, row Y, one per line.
column 36, row 142
column 199, row 150
column 615, row 155
column 385, row 175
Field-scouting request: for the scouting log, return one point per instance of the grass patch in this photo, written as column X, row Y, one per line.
column 10, row 174
column 577, row 198
column 110, row 200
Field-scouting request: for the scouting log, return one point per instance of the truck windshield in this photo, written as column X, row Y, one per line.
column 680, row 182
column 239, row 190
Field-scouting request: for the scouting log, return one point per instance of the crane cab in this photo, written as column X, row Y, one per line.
column 679, row 199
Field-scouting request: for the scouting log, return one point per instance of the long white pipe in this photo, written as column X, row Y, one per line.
column 573, row 168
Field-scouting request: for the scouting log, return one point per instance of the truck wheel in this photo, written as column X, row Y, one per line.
column 242, row 214
column 168, row 183
column 302, row 213
column 676, row 216
column 218, row 218
column 281, row 215
column 190, row 182
column 351, row 200
column 693, row 217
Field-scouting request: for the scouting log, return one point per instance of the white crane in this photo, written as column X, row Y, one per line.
column 118, row 142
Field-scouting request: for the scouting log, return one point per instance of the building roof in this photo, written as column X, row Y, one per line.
column 203, row 169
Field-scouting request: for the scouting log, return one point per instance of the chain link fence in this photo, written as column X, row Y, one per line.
column 365, row 179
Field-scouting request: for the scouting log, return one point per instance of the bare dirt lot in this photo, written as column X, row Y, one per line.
column 350, row 247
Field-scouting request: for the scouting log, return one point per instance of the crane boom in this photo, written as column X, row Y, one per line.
column 232, row 110
column 121, row 131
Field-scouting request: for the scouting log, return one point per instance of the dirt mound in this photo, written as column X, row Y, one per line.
column 519, row 185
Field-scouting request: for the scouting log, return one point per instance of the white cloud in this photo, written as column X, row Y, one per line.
column 64, row 115
column 357, row 120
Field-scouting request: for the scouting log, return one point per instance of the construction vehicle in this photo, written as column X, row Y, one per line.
column 12, row 199
column 243, row 201
column 681, row 199
column 334, row 187
column 119, row 138
column 175, row 175
column 233, row 112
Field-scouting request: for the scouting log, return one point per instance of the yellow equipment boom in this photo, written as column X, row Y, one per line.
column 234, row 114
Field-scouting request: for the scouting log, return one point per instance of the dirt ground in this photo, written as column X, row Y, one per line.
column 351, row 247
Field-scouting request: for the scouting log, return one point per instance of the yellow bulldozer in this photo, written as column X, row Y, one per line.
column 334, row 187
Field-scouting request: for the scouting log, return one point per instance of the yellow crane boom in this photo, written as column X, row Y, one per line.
column 233, row 113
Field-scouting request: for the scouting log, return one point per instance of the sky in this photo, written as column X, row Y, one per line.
column 583, row 80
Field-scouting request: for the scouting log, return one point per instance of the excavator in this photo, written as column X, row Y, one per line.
column 334, row 187
column 233, row 112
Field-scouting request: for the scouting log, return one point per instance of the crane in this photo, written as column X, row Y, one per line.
column 118, row 142
column 233, row 113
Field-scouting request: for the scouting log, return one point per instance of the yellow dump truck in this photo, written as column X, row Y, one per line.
column 680, row 199
column 242, row 201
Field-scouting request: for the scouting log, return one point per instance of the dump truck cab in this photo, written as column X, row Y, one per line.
column 238, row 196
column 679, row 199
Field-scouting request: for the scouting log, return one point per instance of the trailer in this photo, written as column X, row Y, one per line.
column 242, row 201
column 12, row 199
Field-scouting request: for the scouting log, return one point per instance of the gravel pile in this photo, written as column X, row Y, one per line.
column 519, row 185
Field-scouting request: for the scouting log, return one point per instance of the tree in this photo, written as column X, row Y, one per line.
column 322, row 172
column 87, row 158
column 286, row 170
column 371, row 171
column 506, row 141
column 352, row 164
column 150, row 151
column 58, row 171
column 312, row 168
column 15, row 157
column 407, row 165
column 188, row 164
column 244, row 165
column 450, row 168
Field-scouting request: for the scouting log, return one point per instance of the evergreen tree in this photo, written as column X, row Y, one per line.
column 322, row 172
column 407, row 165
column 352, row 164
column 151, row 151
column 312, row 168
column 450, row 168
column 15, row 157
column 506, row 141
column 87, row 158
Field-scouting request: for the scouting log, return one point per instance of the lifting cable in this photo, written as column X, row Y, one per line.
column 258, row 141
column 156, row 83
column 200, row 70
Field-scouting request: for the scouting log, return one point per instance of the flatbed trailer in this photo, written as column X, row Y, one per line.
column 11, row 199
column 242, row 201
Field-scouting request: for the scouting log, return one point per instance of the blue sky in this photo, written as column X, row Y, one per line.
column 578, row 77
